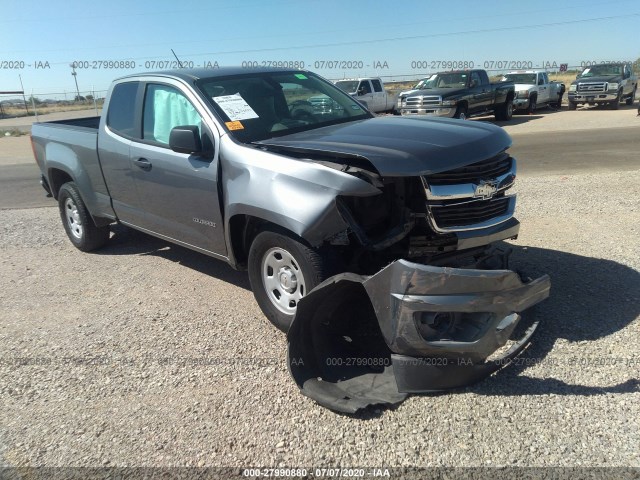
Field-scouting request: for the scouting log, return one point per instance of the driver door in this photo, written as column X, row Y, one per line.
column 365, row 94
column 178, row 191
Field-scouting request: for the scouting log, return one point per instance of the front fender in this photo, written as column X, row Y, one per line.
column 296, row 194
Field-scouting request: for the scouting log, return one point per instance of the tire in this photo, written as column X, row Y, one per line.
column 572, row 105
column 559, row 102
column 631, row 98
column 461, row 112
column 78, row 224
column 281, row 271
column 533, row 104
column 615, row 105
column 505, row 112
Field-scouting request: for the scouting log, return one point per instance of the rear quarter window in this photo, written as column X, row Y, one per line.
column 121, row 114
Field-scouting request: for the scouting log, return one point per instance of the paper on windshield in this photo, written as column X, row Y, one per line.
column 235, row 107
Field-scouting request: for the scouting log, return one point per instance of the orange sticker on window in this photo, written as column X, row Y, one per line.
column 237, row 125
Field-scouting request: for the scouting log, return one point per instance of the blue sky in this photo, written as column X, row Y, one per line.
column 386, row 38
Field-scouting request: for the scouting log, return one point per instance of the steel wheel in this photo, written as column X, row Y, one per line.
column 282, row 279
column 78, row 224
column 73, row 218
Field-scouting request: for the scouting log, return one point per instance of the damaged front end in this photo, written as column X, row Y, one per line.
column 365, row 340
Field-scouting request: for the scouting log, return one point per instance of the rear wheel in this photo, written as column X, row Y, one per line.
column 559, row 102
column 282, row 270
column 78, row 224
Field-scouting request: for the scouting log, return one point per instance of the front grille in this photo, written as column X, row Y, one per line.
column 587, row 88
column 469, row 213
column 487, row 170
column 422, row 101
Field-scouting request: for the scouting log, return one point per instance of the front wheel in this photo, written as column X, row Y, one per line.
column 461, row 112
column 282, row 270
column 615, row 105
column 631, row 98
column 572, row 105
column 505, row 112
column 533, row 104
column 80, row 228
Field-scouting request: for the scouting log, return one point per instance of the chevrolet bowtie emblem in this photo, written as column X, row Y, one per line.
column 485, row 190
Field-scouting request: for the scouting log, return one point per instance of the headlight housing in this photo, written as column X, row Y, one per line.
column 614, row 86
column 573, row 87
column 522, row 93
column 449, row 103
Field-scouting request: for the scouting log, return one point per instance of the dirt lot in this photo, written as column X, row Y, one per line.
column 147, row 354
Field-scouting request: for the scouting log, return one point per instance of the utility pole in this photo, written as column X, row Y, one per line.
column 75, row 77
column 26, row 104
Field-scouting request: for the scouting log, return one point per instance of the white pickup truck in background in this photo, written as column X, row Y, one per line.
column 534, row 89
column 369, row 91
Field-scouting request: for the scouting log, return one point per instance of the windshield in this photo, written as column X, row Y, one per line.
column 605, row 69
column 264, row 105
column 421, row 84
column 527, row 78
column 446, row 80
column 348, row 86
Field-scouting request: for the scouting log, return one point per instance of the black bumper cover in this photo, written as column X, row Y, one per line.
column 358, row 341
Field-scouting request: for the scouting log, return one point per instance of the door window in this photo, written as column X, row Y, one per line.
column 166, row 107
column 377, row 86
column 475, row 79
column 364, row 88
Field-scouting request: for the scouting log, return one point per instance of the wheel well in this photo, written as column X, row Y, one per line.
column 464, row 104
column 57, row 179
column 242, row 231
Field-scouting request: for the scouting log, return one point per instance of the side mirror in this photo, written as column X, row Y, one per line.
column 185, row 139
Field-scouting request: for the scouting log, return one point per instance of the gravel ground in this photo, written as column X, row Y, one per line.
column 147, row 354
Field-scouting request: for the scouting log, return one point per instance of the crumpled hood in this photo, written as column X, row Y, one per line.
column 403, row 146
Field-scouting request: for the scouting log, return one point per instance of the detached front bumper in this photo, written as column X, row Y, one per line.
column 358, row 341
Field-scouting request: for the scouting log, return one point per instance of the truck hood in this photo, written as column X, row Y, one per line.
column 406, row 93
column 401, row 146
column 602, row 78
column 524, row 86
column 443, row 92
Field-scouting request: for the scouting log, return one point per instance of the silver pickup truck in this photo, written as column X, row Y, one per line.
column 333, row 212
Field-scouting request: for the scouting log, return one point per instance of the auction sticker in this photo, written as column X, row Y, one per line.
column 237, row 125
column 235, row 107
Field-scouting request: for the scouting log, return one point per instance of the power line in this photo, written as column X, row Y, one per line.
column 392, row 39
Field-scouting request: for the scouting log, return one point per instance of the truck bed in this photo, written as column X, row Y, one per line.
column 71, row 149
column 86, row 122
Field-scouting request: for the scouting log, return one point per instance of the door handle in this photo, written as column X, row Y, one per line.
column 143, row 164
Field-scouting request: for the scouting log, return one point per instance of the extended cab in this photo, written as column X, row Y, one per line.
column 370, row 92
column 461, row 94
column 604, row 84
column 534, row 89
column 241, row 166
